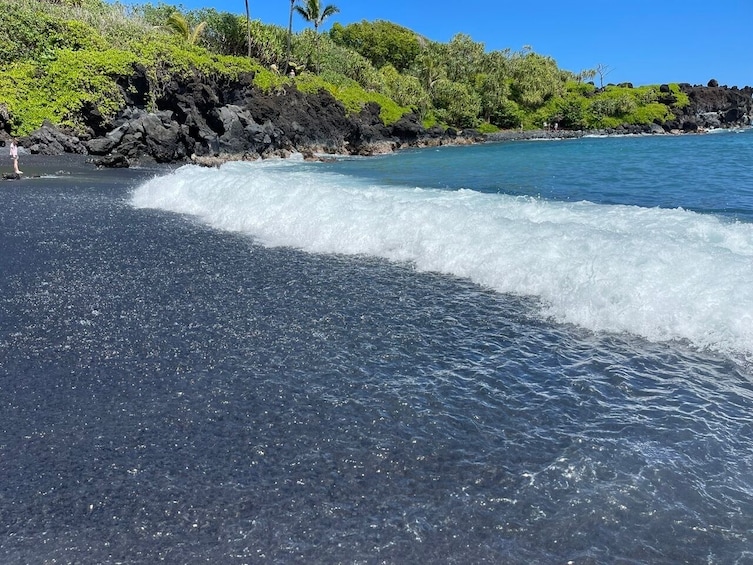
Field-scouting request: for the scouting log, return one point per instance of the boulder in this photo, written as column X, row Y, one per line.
column 368, row 134
column 103, row 145
column 234, row 130
column 112, row 161
column 690, row 125
column 164, row 138
column 408, row 128
column 303, row 120
column 52, row 140
column 140, row 133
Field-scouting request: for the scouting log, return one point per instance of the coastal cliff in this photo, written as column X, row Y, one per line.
column 210, row 121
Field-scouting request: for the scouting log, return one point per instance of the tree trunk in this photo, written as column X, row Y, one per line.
column 290, row 33
column 248, row 29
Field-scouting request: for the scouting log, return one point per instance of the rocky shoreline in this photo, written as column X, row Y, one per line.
column 210, row 122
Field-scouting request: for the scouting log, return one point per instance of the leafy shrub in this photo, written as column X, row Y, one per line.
column 486, row 127
column 406, row 90
column 580, row 88
column 510, row 115
column 26, row 33
column 613, row 106
column 59, row 91
column 351, row 94
column 456, row 103
column 650, row 113
column 225, row 33
column 682, row 98
column 646, row 95
column 310, row 50
column 571, row 113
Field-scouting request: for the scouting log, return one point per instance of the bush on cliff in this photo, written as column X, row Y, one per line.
column 616, row 105
column 61, row 90
column 351, row 94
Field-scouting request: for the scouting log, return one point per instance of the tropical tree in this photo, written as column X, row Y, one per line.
column 290, row 35
column 405, row 89
column 312, row 12
column 268, row 44
column 585, row 75
column 536, row 79
column 381, row 42
column 248, row 29
column 429, row 66
column 463, row 58
column 225, row 32
column 178, row 23
column 456, row 103
column 493, row 86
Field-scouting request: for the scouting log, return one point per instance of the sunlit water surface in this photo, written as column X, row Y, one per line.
column 511, row 353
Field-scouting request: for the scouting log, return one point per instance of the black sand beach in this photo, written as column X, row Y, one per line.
column 70, row 170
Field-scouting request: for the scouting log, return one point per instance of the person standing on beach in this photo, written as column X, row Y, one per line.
column 14, row 155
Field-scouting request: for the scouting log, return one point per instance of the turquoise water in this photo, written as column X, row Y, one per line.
column 520, row 353
column 708, row 174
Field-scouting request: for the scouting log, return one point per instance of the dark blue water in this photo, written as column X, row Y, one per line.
column 176, row 393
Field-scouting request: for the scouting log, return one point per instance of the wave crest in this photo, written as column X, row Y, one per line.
column 662, row 274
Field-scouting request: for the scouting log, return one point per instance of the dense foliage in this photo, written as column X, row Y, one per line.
column 61, row 57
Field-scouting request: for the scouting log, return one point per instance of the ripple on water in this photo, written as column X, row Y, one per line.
column 175, row 393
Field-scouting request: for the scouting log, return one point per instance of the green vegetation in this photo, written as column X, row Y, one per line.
column 312, row 12
column 64, row 58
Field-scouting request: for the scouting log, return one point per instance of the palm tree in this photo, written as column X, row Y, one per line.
column 312, row 12
column 290, row 35
column 179, row 25
column 248, row 29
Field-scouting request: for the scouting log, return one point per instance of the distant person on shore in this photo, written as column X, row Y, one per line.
column 14, row 155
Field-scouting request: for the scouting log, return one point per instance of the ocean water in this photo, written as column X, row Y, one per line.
column 520, row 353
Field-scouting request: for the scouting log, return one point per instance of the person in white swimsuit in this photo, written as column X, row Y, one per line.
column 14, row 155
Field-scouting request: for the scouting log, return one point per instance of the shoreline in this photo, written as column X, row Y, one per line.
column 65, row 165
column 75, row 167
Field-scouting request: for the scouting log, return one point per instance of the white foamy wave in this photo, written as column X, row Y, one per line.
column 662, row 274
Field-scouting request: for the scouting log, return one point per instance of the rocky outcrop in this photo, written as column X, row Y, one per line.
column 208, row 120
column 52, row 140
column 139, row 133
column 714, row 106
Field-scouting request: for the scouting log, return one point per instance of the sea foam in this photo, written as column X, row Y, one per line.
column 662, row 274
